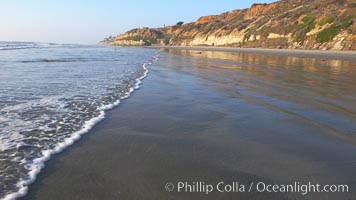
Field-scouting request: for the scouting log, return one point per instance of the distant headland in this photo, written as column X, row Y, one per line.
column 286, row 24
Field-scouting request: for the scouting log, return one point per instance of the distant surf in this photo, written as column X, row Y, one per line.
column 24, row 45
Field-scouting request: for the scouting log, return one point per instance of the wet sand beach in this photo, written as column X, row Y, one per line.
column 320, row 54
column 218, row 117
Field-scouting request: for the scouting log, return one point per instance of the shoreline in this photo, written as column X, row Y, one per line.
column 90, row 124
column 188, row 122
column 322, row 54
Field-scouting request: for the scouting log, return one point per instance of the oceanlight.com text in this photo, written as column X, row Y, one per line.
column 261, row 187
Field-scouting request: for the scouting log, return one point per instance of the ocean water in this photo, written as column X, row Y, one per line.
column 51, row 94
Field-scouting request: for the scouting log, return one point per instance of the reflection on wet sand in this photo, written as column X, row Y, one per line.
column 223, row 117
column 320, row 92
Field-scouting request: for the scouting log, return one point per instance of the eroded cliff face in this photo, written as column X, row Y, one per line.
column 303, row 24
column 136, row 37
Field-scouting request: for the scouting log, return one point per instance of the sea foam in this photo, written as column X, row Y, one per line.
column 36, row 165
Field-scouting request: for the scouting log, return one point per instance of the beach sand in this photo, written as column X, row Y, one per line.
column 213, row 117
column 320, row 54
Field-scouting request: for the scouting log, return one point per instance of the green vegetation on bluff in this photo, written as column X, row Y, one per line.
column 304, row 28
column 326, row 20
column 329, row 33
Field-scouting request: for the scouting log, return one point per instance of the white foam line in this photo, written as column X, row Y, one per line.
column 39, row 163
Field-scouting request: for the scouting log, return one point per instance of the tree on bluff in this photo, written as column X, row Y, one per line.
column 179, row 23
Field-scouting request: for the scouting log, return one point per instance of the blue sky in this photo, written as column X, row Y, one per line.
column 88, row 21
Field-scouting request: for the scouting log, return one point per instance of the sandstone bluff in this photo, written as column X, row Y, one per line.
column 293, row 24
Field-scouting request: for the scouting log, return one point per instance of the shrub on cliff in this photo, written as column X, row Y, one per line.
column 179, row 23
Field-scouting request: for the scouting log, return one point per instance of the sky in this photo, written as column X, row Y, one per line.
column 89, row 21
